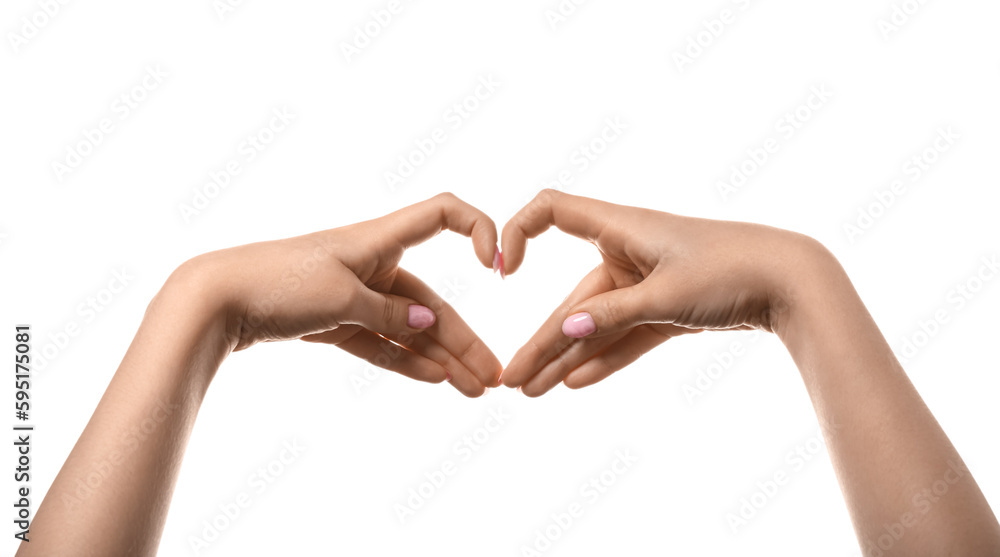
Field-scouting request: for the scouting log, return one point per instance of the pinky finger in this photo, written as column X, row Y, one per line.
column 619, row 355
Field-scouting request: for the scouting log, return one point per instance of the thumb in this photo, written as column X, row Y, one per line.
column 610, row 312
column 389, row 314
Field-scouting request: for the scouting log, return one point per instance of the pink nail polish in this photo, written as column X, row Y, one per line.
column 420, row 317
column 447, row 376
column 503, row 271
column 496, row 260
column 579, row 325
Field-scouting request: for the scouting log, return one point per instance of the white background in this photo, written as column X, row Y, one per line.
column 63, row 237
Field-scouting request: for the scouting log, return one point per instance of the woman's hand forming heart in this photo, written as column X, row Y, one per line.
column 344, row 287
column 663, row 275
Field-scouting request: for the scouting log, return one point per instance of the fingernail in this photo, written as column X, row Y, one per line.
column 420, row 317
column 447, row 376
column 579, row 325
column 498, row 263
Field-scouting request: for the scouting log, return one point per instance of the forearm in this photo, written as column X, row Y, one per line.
column 112, row 494
column 341, row 287
column 900, row 474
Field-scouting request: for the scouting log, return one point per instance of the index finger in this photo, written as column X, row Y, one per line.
column 582, row 217
column 422, row 221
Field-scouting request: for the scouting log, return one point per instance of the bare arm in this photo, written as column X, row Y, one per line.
column 112, row 494
column 900, row 475
column 665, row 275
column 340, row 287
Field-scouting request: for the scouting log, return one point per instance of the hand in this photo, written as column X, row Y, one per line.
column 344, row 287
column 662, row 275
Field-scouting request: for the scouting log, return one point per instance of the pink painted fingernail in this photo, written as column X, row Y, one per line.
column 498, row 263
column 447, row 376
column 420, row 317
column 579, row 325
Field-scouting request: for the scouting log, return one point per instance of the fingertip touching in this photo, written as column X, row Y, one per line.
column 498, row 263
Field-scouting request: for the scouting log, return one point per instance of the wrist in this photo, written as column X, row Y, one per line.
column 810, row 286
column 190, row 305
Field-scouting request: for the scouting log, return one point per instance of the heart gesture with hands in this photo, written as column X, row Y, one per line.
column 661, row 276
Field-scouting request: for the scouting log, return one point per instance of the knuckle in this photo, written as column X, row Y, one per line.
column 549, row 194
column 546, row 197
column 470, row 349
column 614, row 312
column 388, row 311
column 446, row 196
column 539, row 206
